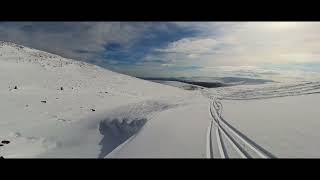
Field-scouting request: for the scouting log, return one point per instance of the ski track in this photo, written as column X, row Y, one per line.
column 209, row 141
column 234, row 137
column 274, row 92
column 225, row 132
column 221, row 145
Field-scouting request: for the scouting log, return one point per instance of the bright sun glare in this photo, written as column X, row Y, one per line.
column 283, row 25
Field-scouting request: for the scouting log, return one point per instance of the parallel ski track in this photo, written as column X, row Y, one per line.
column 232, row 134
column 221, row 144
column 274, row 92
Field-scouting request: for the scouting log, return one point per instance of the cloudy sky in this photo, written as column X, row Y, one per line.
column 179, row 48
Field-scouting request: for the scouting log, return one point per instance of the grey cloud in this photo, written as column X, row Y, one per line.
column 80, row 40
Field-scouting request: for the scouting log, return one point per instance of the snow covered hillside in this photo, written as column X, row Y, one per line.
column 56, row 107
column 52, row 107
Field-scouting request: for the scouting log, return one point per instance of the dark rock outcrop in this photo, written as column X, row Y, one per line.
column 5, row 142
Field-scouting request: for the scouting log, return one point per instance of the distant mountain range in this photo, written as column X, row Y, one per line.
column 210, row 82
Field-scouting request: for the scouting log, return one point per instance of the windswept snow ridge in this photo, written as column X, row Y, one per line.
column 124, row 122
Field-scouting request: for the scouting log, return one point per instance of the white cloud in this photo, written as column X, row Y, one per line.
column 260, row 72
column 191, row 46
column 247, row 43
column 242, row 45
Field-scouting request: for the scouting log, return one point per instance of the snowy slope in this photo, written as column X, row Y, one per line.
column 55, row 107
column 288, row 126
column 179, row 133
column 281, row 118
column 67, row 108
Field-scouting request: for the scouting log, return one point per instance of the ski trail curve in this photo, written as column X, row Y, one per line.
column 209, row 141
column 232, row 141
column 231, row 133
